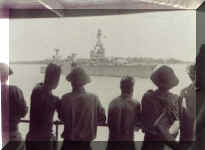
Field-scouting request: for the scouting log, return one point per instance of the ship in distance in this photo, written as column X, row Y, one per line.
column 99, row 65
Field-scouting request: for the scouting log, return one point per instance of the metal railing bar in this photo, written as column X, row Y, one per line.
column 57, row 123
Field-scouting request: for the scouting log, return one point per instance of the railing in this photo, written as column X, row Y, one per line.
column 57, row 123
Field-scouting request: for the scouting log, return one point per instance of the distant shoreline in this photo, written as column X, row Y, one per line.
column 27, row 63
column 45, row 63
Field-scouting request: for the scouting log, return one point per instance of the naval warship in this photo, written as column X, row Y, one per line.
column 99, row 65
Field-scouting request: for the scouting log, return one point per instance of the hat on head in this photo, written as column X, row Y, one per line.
column 164, row 77
column 5, row 69
column 78, row 76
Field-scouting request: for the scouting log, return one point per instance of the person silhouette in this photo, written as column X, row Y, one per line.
column 160, row 110
column 13, row 108
column 188, row 111
column 123, row 117
column 80, row 112
column 43, row 105
column 200, row 99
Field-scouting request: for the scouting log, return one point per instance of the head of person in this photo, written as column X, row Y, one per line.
column 192, row 72
column 127, row 85
column 164, row 78
column 78, row 77
column 5, row 71
column 200, row 70
column 52, row 76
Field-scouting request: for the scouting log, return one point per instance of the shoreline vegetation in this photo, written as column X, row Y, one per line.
column 129, row 60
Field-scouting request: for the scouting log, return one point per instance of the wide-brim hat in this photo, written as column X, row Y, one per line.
column 5, row 69
column 78, row 76
column 164, row 77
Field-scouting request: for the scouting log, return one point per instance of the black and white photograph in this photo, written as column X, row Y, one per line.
column 101, row 79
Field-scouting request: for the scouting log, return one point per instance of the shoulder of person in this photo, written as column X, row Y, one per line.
column 92, row 95
column 116, row 99
column 56, row 98
column 113, row 104
column 173, row 96
column 38, row 87
column 134, row 101
column 66, row 96
column 13, row 88
column 148, row 94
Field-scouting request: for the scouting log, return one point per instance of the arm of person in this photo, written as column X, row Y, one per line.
column 138, row 117
column 59, row 109
column 101, row 119
column 147, row 113
column 200, row 121
column 109, row 119
column 22, row 108
column 112, row 118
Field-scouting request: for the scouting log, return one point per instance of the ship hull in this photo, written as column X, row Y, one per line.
column 140, row 70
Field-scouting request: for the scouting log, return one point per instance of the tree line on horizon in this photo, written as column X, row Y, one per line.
column 130, row 60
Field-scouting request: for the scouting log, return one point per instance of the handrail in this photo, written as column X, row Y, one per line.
column 57, row 123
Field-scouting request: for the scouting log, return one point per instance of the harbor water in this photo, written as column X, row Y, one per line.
column 27, row 76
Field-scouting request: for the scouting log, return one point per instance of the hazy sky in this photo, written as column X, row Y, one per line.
column 156, row 34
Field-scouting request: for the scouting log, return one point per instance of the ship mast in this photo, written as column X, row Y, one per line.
column 56, row 57
column 56, row 51
column 98, row 53
column 99, row 35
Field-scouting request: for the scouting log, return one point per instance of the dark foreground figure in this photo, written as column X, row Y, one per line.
column 76, row 145
column 188, row 111
column 80, row 112
column 199, row 143
column 160, row 110
column 123, row 117
column 43, row 105
column 13, row 108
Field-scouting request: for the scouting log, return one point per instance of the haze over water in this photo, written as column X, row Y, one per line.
column 155, row 34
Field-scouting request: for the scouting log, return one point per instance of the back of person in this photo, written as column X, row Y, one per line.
column 13, row 109
column 123, row 117
column 154, row 104
column 188, row 112
column 43, row 106
column 80, row 112
column 160, row 111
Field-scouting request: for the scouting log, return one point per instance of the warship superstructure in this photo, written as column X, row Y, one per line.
column 99, row 65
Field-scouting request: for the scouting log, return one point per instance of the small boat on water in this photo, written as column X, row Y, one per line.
column 99, row 65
